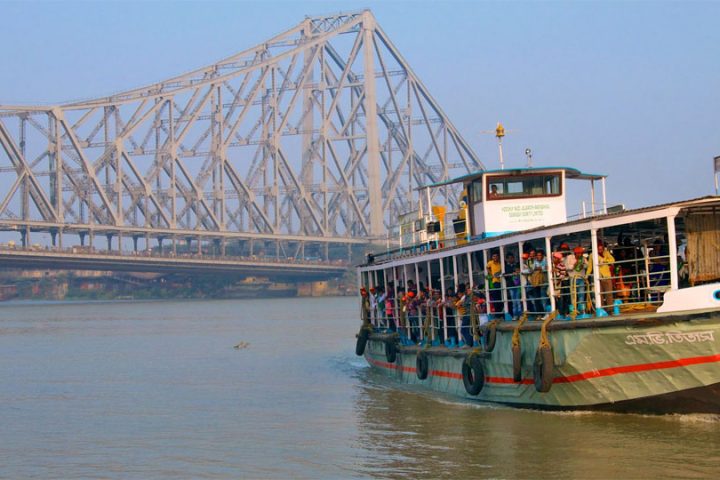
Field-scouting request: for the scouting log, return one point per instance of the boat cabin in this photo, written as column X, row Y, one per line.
column 512, row 200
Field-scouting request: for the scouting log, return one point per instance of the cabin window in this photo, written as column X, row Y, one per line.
column 525, row 186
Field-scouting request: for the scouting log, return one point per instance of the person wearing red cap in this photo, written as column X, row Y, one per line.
column 412, row 307
column 560, row 282
column 577, row 265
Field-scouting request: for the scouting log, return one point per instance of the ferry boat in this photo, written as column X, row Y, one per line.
column 508, row 300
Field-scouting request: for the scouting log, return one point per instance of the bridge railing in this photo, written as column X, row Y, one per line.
column 90, row 251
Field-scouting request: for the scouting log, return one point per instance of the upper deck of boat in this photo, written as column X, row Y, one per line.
column 412, row 253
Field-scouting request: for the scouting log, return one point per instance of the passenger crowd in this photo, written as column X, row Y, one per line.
column 627, row 274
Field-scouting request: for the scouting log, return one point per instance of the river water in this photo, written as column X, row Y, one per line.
column 155, row 390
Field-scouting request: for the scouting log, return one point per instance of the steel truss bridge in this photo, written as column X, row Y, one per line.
column 303, row 146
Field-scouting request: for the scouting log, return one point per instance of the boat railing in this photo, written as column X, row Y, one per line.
column 427, row 232
column 637, row 283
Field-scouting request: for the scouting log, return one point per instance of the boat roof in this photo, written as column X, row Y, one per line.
column 571, row 173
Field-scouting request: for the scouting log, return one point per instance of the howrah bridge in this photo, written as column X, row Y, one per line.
column 280, row 160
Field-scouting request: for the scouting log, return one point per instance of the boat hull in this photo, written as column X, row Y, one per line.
column 656, row 363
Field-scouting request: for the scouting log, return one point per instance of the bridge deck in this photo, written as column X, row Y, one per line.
column 275, row 269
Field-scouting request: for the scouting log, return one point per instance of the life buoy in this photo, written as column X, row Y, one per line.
column 517, row 363
column 390, row 351
column 422, row 365
column 490, row 338
column 473, row 374
column 543, row 368
column 362, row 338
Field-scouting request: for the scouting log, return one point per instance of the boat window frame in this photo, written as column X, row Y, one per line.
column 488, row 181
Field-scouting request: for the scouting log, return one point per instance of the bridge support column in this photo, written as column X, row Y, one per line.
column 174, row 251
column 109, row 241
column 160, row 245
column 82, row 238
column 216, row 241
column 25, row 237
column 199, row 250
column 53, row 237
column 92, row 239
column 135, row 242
column 148, row 247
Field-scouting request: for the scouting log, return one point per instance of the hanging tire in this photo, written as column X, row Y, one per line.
column 473, row 375
column 490, row 338
column 390, row 351
column 517, row 363
column 422, row 366
column 362, row 338
column 543, row 368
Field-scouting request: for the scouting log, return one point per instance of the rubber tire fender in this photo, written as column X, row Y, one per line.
column 362, row 338
column 517, row 363
column 422, row 365
column 490, row 339
column 473, row 374
column 543, row 368
column 390, row 351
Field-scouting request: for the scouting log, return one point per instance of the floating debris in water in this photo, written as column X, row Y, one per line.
column 242, row 345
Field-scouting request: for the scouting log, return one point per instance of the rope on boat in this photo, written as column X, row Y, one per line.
column 515, row 349
column 474, row 327
column 516, row 332
column 544, row 358
column 544, row 340
column 426, row 329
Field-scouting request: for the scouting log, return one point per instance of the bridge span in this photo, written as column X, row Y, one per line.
column 284, row 270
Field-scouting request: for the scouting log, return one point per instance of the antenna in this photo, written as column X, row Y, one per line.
column 499, row 134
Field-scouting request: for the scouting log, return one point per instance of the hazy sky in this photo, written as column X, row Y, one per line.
column 629, row 89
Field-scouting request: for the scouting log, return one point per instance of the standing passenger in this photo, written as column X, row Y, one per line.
column 494, row 273
column 512, row 278
column 450, row 317
column 560, row 283
column 605, row 260
column 462, row 304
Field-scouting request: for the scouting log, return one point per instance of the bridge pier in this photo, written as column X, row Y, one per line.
column 25, row 237
column 135, row 243
column 109, row 237
column 82, row 238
